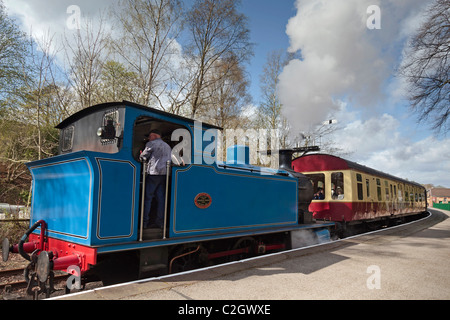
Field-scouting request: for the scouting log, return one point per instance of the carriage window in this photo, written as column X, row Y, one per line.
column 379, row 189
column 368, row 187
column 359, row 186
column 337, row 185
column 386, row 188
column 318, row 181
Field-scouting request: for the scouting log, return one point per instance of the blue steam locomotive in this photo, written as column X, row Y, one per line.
column 87, row 202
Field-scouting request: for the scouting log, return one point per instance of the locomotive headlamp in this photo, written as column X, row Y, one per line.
column 100, row 132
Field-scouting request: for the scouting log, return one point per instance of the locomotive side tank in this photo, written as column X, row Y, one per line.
column 87, row 202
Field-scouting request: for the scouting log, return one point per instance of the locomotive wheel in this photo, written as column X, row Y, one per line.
column 188, row 257
column 245, row 242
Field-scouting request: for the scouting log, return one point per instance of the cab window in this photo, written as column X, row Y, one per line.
column 67, row 139
column 181, row 148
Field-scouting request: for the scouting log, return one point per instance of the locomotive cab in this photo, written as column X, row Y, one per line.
column 145, row 124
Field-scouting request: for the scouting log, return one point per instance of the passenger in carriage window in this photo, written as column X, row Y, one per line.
column 319, row 195
column 339, row 193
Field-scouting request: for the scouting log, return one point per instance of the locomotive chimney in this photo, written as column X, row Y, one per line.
column 285, row 156
column 285, row 159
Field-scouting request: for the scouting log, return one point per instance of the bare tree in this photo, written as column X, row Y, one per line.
column 147, row 43
column 269, row 111
column 86, row 52
column 427, row 67
column 40, row 88
column 217, row 32
column 228, row 94
column 270, row 106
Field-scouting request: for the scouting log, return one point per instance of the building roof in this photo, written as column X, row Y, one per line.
column 440, row 192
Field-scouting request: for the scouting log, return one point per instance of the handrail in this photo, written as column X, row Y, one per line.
column 144, row 172
column 256, row 170
column 168, row 166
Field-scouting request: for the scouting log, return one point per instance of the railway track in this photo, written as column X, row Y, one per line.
column 13, row 280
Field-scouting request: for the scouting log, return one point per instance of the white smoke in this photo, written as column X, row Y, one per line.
column 341, row 58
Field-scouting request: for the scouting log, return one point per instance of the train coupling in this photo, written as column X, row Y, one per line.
column 24, row 248
column 39, row 272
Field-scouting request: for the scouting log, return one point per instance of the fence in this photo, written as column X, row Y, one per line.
column 444, row 206
column 13, row 213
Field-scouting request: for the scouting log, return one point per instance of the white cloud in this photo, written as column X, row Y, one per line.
column 424, row 161
column 49, row 19
column 345, row 73
column 249, row 111
column 341, row 58
column 363, row 137
column 377, row 143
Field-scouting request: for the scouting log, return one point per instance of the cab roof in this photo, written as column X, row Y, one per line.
column 95, row 108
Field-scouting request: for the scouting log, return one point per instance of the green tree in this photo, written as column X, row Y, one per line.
column 117, row 83
column 13, row 52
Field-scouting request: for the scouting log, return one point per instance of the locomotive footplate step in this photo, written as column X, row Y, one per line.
column 152, row 233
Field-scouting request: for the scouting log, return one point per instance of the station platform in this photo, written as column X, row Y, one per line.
column 407, row 262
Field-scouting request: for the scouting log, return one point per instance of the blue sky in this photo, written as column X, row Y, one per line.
column 267, row 24
column 346, row 73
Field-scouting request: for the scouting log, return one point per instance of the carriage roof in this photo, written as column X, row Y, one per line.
column 327, row 162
